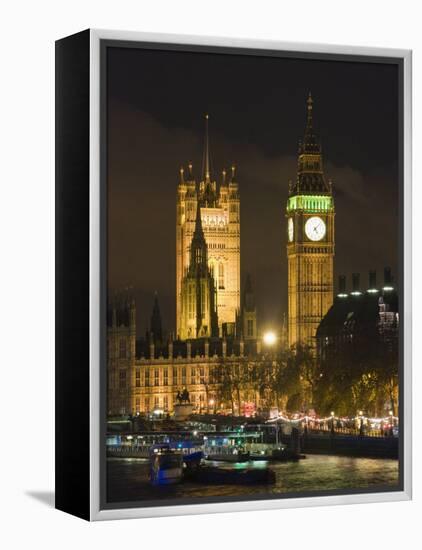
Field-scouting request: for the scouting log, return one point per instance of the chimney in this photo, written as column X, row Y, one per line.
column 342, row 286
column 356, row 284
column 372, row 279
column 388, row 280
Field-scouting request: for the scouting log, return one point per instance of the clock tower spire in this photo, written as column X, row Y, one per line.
column 310, row 240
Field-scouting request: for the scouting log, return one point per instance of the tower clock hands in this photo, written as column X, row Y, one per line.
column 315, row 228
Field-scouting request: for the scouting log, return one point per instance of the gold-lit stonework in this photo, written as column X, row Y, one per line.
column 198, row 292
column 220, row 216
column 310, row 247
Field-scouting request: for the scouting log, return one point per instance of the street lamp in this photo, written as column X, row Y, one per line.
column 332, row 422
column 270, row 338
column 361, row 423
column 305, row 427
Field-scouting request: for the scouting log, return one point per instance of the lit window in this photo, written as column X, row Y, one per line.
column 221, row 276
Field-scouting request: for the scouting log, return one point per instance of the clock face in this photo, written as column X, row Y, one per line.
column 315, row 228
column 290, row 229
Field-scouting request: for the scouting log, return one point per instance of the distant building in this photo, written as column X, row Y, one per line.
column 156, row 324
column 310, row 241
column 198, row 313
column 159, row 373
column 145, row 374
column 121, row 351
column 220, row 218
column 361, row 329
column 247, row 317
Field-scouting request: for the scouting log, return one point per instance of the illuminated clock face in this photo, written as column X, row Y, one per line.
column 290, row 229
column 315, row 228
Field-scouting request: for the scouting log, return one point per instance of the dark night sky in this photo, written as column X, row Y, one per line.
column 156, row 106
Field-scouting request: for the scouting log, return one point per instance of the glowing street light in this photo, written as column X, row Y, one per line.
column 332, row 421
column 361, row 423
column 270, row 338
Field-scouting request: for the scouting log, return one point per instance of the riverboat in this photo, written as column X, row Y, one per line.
column 166, row 465
column 139, row 446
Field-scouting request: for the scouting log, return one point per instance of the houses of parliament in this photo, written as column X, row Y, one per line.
column 216, row 313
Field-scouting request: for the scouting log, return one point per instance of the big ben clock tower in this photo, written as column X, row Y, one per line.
column 310, row 241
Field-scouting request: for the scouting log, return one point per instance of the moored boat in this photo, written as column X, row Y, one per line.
column 166, row 465
column 228, row 457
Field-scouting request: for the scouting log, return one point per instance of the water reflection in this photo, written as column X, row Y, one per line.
column 127, row 479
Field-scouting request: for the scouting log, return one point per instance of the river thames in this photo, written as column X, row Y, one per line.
column 128, row 479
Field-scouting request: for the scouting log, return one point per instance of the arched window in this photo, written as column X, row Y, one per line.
column 221, row 276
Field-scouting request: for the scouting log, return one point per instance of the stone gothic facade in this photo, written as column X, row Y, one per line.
column 220, row 218
column 310, row 241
